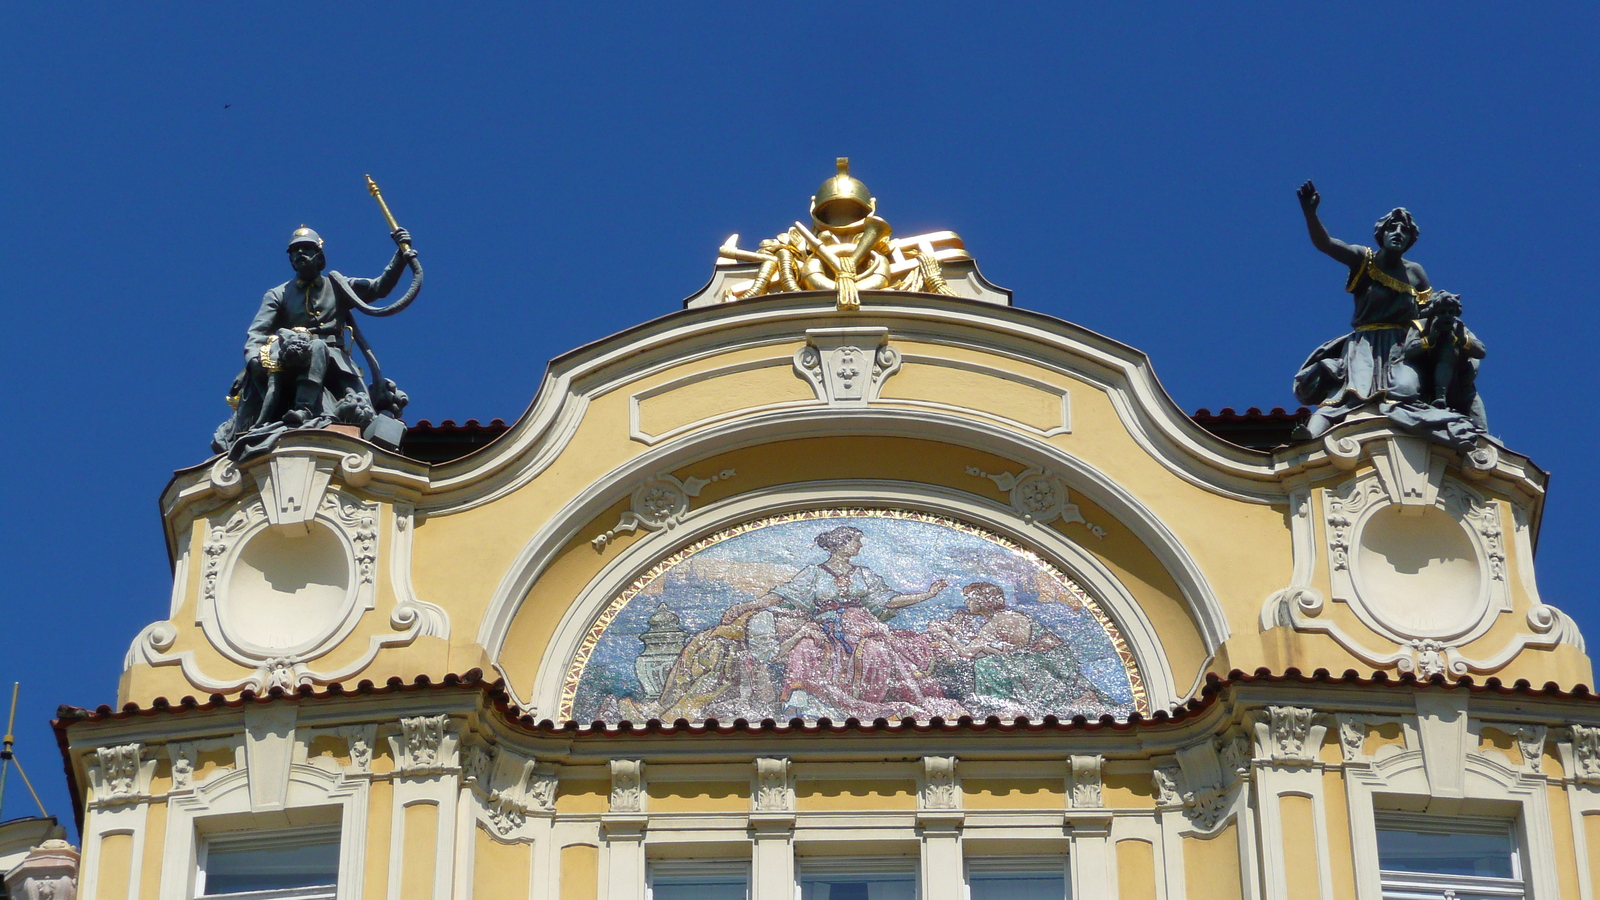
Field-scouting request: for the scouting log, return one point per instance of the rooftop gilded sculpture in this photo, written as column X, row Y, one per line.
column 847, row 249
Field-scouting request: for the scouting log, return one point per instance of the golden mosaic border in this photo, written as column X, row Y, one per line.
column 591, row 638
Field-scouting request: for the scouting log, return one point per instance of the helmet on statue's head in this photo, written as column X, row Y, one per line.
column 842, row 201
column 304, row 235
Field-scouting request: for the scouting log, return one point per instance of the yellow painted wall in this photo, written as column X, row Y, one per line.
column 1128, row 790
column 116, row 867
column 155, row 838
column 1299, row 847
column 1013, row 793
column 1591, row 836
column 500, row 871
column 380, row 812
column 420, row 845
column 1136, row 870
column 331, row 746
column 1561, row 835
column 580, row 872
column 582, row 797
column 840, row 794
column 1211, row 866
column 699, row 796
column 1341, row 860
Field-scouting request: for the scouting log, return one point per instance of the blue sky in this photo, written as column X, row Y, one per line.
column 569, row 170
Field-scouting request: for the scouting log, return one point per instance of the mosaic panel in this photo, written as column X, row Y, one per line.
column 851, row 612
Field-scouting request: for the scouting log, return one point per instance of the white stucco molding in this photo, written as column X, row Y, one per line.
column 1115, row 599
column 1327, row 523
column 594, row 499
column 1487, row 788
column 224, row 802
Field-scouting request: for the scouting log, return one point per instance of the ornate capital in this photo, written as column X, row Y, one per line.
column 940, row 789
column 119, row 775
column 360, row 740
column 1586, row 754
column 1530, row 741
column 1198, row 784
column 426, row 745
column 509, row 786
column 1289, row 735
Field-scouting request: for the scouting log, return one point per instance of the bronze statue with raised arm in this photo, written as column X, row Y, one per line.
column 1408, row 355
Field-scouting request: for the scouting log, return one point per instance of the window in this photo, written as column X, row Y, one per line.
column 1424, row 858
column 698, row 879
column 292, row 864
column 1019, row 878
column 858, row 879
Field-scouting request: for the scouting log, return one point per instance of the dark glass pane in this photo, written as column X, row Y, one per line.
column 688, row 887
column 1487, row 855
column 1017, row 885
column 232, row 870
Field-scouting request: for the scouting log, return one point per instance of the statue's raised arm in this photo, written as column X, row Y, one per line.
column 1348, row 254
column 1407, row 357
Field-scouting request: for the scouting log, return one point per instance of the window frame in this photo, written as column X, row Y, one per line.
column 1397, row 884
column 268, row 839
column 1020, row 865
column 858, row 865
column 714, row 868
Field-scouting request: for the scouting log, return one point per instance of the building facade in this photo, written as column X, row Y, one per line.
column 850, row 581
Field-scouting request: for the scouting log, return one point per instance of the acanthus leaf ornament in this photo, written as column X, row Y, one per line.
column 1530, row 743
column 426, row 745
column 627, row 786
column 1586, row 753
column 1289, row 735
column 509, row 786
column 657, row 503
column 774, row 793
column 119, row 774
column 940, row 790
column 1086, row 781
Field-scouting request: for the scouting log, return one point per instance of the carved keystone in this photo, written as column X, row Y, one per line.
column 846, row 366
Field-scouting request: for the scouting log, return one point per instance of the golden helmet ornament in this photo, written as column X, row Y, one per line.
column 842, row 201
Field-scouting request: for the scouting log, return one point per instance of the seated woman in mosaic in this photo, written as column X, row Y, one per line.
column 838, row 655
